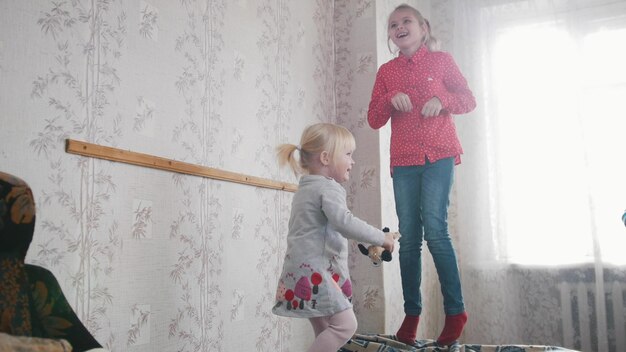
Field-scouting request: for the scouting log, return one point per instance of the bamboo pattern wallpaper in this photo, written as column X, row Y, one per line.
column 355, row 70
column 274, row 81
column 152, row 260
column 198, row 321
column 79, row 88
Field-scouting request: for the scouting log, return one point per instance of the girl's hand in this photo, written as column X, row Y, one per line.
column 432, row 107
column 389, row 241
column 402, row 102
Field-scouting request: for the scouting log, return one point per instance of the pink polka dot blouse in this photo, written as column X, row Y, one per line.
column 424, row 75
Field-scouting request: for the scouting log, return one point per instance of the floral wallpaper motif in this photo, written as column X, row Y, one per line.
column 142, row 222
column 78, row 89
column 323, row 54
column 199, row 322
column 139, row 332
column 152, row 260
column 145, row 114
column 275, row 114
column 148, row 21
column 355, row 71
column 346, row 65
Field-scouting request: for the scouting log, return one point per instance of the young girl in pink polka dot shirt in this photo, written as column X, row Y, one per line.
column 419, row 91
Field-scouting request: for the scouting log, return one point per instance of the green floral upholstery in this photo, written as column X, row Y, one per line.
column 31, row 300
column 17, row 224
column 14, row 303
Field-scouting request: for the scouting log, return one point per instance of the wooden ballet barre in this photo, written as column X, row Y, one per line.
column 155, row 162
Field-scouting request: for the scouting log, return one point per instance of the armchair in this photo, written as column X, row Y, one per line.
column 32, row 303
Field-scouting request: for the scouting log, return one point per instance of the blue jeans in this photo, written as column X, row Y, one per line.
column 422, row 197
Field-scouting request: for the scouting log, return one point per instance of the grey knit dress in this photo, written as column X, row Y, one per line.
column 315, row 280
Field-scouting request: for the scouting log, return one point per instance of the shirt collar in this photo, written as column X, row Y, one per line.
column 416, row 57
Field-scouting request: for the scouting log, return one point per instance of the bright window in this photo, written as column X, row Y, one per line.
column 561, row 143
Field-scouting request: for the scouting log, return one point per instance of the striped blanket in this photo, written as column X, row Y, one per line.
column 388, row 343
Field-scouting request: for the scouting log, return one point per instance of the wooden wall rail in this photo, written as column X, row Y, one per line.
column 155, row 162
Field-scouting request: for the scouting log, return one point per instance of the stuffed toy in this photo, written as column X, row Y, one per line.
column 377, row 253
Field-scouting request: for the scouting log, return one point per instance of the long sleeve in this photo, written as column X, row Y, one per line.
column 380, row 107
column 343, row 221
column 458, row 98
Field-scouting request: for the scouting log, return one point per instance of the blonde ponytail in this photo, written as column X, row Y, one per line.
column 285, row 154
column 431, row 42
column 315, row 139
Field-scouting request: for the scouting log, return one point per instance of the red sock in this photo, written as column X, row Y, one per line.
column 452, row 329
column 408, row 330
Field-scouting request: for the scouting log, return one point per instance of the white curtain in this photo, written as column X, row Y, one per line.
column 541, row 190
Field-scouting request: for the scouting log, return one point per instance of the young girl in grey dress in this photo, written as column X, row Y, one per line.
column 315, row 282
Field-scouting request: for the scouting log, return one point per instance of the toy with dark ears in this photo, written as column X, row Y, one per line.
column 377, row 253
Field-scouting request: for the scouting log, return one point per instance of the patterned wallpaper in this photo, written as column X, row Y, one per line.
column 355, row 68
column 152, row 260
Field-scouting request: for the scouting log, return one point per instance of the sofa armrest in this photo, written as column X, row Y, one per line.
column 53, row 317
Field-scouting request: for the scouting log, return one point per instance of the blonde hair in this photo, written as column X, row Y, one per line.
column 431, row 42
column 315, row 139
